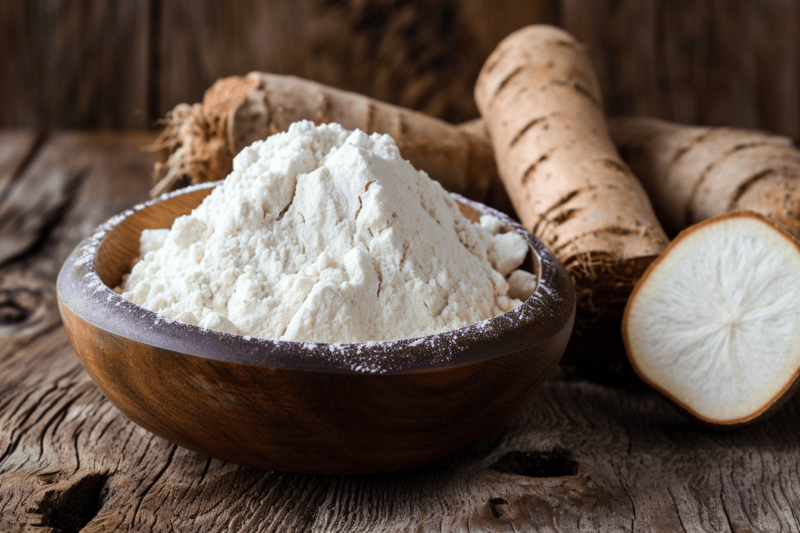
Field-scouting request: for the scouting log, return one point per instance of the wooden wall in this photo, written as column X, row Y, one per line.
column 122, row 64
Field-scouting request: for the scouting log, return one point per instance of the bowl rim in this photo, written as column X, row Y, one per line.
column 80, row 289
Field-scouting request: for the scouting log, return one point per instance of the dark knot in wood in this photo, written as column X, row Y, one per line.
column 17, row 305
column 494, row 503
column 69, row 509
column 538, row 464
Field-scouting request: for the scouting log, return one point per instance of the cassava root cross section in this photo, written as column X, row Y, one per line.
column 540, row 100
column 200, row 140
column 714, row 323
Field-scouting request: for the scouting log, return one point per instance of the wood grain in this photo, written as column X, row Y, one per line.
column 89, row 63
column 419, row 54
column 80, row 64
column 580, row 457
column 423, row 55
column 720, row 63
column 16, row 149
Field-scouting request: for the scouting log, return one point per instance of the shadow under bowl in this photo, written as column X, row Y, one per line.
column 321, row 408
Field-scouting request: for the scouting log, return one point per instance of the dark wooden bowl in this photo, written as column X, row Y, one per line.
column 348, row 408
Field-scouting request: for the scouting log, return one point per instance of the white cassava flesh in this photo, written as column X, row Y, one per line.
column 714, row 323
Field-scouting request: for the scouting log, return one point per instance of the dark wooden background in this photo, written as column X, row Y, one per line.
column 624, row 459
column 122, row 64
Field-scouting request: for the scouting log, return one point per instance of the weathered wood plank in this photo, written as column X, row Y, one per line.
column 16, row 147
column 110, row 64
column 85, row 179
column 422, row 54
column 74, row 64
column 725, row 62
column 581, row 457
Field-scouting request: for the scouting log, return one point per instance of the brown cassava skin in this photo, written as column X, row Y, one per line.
column 693, row 173
column 200, row 141
column 739, row 169
column 540, row 100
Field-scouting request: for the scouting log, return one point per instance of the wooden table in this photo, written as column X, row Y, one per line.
column 581, row 456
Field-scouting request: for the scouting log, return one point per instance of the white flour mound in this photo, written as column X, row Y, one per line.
column 326, row 235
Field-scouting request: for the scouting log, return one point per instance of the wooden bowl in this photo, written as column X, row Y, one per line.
column 345, row 408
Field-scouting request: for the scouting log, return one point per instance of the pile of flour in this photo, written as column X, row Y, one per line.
column 321, row 234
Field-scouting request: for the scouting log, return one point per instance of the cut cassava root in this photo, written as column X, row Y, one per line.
column 540, row 101
column 714, row 323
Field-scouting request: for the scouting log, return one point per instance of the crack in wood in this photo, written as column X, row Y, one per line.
column 538, row 464
column 153, row 482
column 18, row 170
column 50, row 216
column 70, row 509
column 494, row 504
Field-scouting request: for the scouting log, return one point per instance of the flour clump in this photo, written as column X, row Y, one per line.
column 321, row 234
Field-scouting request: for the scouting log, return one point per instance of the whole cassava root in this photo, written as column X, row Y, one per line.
column 740, row 169
column 693, row 173
column 539, row 97
column 200, row 140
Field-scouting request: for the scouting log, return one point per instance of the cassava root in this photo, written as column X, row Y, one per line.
column 695, row 172
column 692, row 173
column 540, row 100
column 200, row 140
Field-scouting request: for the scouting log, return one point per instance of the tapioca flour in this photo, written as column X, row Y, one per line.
column 321, row 234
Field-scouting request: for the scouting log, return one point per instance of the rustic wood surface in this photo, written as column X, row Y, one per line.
column 89, row 63
column 582, row 456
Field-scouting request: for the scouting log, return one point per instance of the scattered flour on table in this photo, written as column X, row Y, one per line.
column 321, row 234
